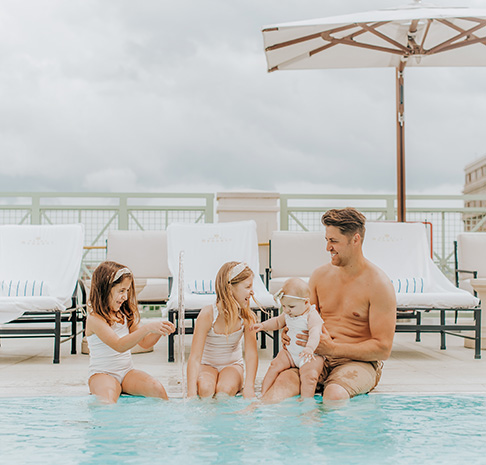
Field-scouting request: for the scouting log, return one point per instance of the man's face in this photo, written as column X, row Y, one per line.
column 339, row 246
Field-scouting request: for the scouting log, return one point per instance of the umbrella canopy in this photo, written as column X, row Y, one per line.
column 413, row 35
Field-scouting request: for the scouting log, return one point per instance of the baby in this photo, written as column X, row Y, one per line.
column 298, row 315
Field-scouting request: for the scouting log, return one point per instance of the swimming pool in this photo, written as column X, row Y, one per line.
column 375, row 429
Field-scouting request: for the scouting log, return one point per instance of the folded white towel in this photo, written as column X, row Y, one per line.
column 27, row 288
column 201, row 286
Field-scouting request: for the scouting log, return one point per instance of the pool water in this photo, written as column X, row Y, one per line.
column 375, row 429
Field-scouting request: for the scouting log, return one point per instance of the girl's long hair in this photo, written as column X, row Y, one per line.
column 102, row 283
column 228, row 305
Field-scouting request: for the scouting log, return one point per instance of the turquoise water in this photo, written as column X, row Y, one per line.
column 376, row 429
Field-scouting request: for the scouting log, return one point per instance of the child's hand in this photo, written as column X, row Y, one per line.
column 307, row 354
column 256, row 327
column 164, row 328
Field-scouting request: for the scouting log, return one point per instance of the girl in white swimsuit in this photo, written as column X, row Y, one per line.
column 112, row 329
column 216, row 365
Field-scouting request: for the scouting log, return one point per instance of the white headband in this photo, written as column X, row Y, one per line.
column 280, row 294
column 236, row 270
column 120, row 273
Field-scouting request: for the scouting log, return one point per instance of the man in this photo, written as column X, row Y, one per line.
column 357, row 302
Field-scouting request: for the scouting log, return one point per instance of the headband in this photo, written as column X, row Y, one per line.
column 120, row 273
column 280, row 294
column 236, row 270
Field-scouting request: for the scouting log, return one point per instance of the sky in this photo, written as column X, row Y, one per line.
column 174, row 96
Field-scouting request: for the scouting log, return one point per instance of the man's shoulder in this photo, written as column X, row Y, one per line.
column 323, row 269
column 378, row 277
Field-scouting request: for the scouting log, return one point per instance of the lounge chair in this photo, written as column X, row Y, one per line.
column 206, row 247
column 470, row 258
column 39, row 270
column 402, row 251
column 294, row 254
column 145, row 253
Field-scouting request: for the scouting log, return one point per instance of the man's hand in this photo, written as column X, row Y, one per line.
column 285, row 337
column 326, row 344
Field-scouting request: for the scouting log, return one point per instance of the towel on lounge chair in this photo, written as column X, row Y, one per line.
column 402, row 251
column 206, row 247
column 31, row 254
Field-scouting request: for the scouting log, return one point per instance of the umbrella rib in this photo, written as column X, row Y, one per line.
column 299, row 40
column 323, row 35
column 426, row 33
column 384, row 37
column 445, row 45
column 464, row 43
column 353, row 43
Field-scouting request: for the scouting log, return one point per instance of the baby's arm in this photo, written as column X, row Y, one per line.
column 277, row 322
column 314, row 323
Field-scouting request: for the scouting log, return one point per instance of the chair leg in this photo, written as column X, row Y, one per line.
column 57, row 337
column 74, row 327
column 442, row 333
column 171, row 337
column 477, row 338
column 263, row 342
column 419, row 322
column 276, row 336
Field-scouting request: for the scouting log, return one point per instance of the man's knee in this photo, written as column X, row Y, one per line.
column 335, row 392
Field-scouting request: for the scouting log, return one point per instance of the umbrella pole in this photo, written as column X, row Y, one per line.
column 400, row 143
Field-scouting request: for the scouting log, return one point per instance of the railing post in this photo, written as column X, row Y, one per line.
column 209, row 213
column 35, row 211
column 284, row 214
column 390, row 208
column 123, row 213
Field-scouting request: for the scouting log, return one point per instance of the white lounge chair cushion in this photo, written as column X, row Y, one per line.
column 471, row 256
column 51, row 253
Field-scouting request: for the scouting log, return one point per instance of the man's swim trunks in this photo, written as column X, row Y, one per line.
column 354, row 376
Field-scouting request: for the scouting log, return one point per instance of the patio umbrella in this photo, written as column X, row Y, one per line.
column 413, row 35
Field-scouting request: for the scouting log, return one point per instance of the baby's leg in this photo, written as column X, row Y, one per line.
column 280, row 363
column 139, row 383
column 309, row 374
column 105, row 387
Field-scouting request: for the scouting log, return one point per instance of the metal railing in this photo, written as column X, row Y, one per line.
column 101, row 212
column 445, row 214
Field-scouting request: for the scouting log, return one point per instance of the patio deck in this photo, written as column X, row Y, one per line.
column 26, row 368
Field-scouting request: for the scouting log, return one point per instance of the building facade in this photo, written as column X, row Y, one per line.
column 475, row 184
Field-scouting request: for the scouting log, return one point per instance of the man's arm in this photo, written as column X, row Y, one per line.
column 314, row 300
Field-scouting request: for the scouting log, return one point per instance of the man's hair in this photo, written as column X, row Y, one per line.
column 348, row 220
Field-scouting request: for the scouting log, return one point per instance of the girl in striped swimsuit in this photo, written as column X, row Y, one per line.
column 216, row 365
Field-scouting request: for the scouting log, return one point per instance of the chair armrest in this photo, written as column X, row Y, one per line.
column 474, row 273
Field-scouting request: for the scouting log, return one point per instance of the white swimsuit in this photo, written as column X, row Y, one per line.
column 221, row 350
column 104, row 359
column 296, row 325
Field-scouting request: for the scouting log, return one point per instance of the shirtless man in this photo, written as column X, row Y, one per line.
column 357, row 302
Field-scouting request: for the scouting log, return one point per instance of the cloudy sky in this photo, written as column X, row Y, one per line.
column 158, row 95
